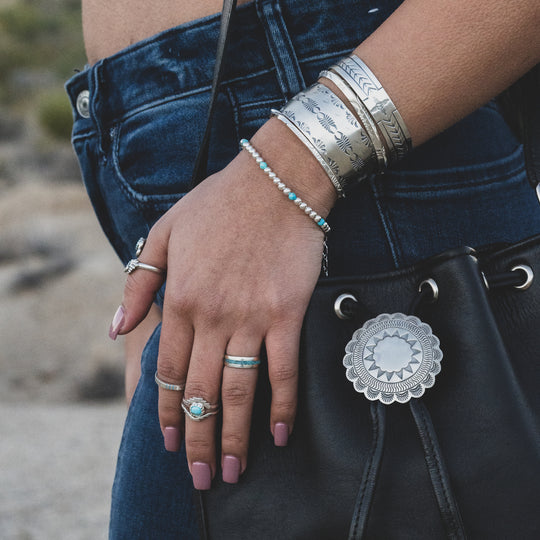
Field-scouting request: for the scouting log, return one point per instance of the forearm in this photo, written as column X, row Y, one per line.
column 439, row 60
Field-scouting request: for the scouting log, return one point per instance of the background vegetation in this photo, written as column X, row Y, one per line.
column 40, row 46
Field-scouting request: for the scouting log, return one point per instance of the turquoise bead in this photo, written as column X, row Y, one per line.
column 321, row 222
column 292, row 196
column 263, row 165
column 243, row 141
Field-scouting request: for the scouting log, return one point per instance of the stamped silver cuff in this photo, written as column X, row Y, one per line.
column 363, row 114
column 370, row 91
column 332, row 129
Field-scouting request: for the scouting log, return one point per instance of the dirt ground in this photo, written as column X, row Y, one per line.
column 61, row 405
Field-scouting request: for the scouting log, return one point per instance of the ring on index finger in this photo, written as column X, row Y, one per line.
column 242, row 362
column 168, row 386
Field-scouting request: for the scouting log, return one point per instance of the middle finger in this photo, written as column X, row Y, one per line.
column 201, row 399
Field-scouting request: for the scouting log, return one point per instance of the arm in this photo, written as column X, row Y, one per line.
column 242, row 262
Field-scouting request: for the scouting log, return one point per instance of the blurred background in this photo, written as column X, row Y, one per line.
column 61, row 378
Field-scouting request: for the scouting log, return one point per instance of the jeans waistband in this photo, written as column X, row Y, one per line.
column 181, row 60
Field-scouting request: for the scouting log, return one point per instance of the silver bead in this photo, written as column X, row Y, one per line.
column 281, row 186
column 272, row 174
column 268, row 170
column 298, row 201
column 307, row 209
column 312, row 214
column 255, row 154
column 303, row 206
column 259, row 159
column 317, row 218
column 286, row 191
column 276, row 180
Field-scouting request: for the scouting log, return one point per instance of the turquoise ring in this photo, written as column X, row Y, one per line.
column 242, row 362
column 198, row 408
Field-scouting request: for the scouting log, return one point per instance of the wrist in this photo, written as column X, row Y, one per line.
column 295, row 165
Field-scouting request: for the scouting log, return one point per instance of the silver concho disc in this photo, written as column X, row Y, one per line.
column 393, row 357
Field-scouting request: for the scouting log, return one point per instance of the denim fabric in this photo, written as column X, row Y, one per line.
column 137, row 151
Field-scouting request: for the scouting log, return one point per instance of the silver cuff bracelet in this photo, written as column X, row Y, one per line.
column 378, row 102
column 363, row 114
column 332, row 130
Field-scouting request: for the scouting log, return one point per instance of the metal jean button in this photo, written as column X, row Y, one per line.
column 83, row 104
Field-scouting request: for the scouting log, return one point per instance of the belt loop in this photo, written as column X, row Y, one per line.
column 289, row 75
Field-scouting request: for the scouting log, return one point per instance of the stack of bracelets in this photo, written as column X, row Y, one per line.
column 348, row 150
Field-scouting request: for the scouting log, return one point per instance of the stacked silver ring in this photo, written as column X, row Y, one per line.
column 198, row 408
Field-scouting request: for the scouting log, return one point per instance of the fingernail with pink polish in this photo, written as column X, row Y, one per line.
column 171, row 437
column 281, row 434
column 202, row 475
column 231, row 469
column 117, row 322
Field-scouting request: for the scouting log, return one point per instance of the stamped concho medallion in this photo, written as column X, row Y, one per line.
column 393, row 357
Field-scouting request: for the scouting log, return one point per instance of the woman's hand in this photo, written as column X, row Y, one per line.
column 242, row 262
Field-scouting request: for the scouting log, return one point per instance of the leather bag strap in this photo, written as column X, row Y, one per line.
column 199, row 171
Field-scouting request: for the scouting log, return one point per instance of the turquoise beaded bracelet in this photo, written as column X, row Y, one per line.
column 320, row 221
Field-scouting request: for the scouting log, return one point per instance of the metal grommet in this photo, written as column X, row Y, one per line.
column 83, row 104
column 339, row 301
column 529, row 276
column 432, row 284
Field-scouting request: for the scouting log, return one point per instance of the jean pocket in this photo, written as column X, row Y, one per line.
column 154, row 150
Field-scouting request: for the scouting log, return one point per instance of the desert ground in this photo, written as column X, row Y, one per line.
column 61, row 404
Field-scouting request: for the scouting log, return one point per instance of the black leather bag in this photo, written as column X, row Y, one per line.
column 461, row 461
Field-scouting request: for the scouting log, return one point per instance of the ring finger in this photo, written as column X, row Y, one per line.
column 237, row 394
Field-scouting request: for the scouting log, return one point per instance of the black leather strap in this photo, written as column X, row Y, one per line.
column 371, row 472
column 199, row 171
column 440, row 480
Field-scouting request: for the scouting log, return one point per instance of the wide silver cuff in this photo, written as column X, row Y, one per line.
column 370, row 91
column 363, row 114
column 330, row 129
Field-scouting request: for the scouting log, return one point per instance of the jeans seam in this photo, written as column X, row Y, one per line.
column 236, row 111
column 140, row 200
column 387, row 226
column 290, row 81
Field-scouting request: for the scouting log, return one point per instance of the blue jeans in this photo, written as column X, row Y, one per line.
column 137, row 141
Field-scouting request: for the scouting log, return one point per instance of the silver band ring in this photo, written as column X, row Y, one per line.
column 198, row 408
column 134, row 264
column 167, row 386
column 242, row 362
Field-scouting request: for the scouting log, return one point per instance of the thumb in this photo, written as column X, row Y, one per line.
column 142, row 285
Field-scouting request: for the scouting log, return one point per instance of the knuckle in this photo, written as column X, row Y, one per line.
column 196, row 388
column 169, row 415
column 282, row 372
column 235, row 394
column 199, row 445
column 169, row 371
column 234, row 440
column 283, row 409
